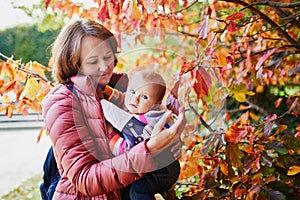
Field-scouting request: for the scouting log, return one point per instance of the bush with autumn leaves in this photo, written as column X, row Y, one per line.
column 235, row 67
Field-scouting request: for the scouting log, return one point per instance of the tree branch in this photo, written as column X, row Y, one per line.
column 278, row 4
column 268, row 20
column 256, row 107
column 290, row 19
column 203, row 122
column 184, row 8
column 22, row 68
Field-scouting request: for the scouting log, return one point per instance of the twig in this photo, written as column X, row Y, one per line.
column 202, row 121
column 256, row 107
column 268, row 20
column 278, row 4
column 184, row 8
column 23, row 69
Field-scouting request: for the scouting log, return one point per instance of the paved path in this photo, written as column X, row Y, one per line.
column 20, row 156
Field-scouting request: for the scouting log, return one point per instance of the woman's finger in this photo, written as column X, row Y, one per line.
column 179, row 124
column 161, row 123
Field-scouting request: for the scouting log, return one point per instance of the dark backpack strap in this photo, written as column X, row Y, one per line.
column 51, row 176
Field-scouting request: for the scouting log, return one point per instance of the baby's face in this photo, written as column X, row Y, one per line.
column 140, row 97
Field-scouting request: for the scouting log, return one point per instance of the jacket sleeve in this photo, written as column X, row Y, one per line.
column 117, row 143
column 92, row 174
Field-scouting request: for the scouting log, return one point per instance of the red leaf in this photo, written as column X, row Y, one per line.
column 205, row 75
column 203, row 28
column 230, row 60
column 263, row 58
column 297, row 135
column 172, row 102
column 253, row 163
column 269, row 122
column 231, row 27
column 236, row 16
column 103, row 13
column 202, row 83
column 47, row 2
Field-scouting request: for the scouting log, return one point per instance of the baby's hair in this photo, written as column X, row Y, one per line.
column 152, row 77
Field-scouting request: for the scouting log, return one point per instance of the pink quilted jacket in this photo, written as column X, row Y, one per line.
column 78, row 133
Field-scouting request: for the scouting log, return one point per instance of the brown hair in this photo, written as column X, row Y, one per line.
column 66, row 47
column 154, row 78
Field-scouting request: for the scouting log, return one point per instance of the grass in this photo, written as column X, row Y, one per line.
column 28, row 190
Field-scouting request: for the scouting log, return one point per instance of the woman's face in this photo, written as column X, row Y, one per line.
column 97, row 59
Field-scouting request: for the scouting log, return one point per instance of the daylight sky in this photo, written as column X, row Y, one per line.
column 10, row 16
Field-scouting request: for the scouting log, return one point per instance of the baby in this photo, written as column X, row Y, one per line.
column 143, row 102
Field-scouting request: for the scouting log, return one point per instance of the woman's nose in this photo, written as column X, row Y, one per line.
column 102, row 65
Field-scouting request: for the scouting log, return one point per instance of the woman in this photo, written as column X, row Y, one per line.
column 84, row 56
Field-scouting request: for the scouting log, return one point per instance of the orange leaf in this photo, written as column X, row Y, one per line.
column 278, row 102
column 280, row 128
column 239, row 192
column 270, row 179
column 40, row 134
column 186, row 67
column 235, row 134
column 224, row 167
column 236, row 16
column 9, row 87
column 10, row 110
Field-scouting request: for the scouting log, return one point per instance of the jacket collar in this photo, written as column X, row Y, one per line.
column 86, row 85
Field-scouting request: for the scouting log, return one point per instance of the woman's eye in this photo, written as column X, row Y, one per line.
column 92, row 62
column 107, row 57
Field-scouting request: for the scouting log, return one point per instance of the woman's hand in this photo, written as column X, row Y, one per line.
column 161, row 137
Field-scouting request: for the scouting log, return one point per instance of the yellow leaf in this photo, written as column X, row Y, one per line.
column 6, row 99
column 135, row 13
column 254, row 116
column 250, row 93
column 293, row 170
column 240, row 97
column 32, row 88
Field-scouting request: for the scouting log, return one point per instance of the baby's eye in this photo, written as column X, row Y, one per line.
column 132, row 91
column 144, row 97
